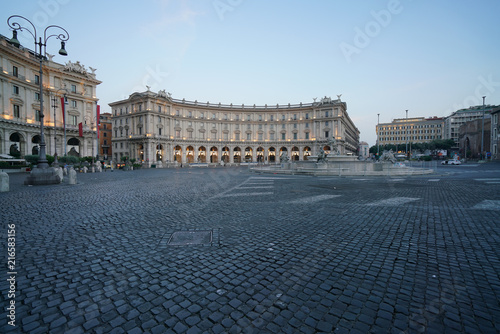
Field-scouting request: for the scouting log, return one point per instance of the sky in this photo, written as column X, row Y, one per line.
column 385, row 57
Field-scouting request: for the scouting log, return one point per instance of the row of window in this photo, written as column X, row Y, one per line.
column 410, row 127
column 409, row 138
column 15, row 73
column 72, row 120
column 15, row 91
column 409, row 132
column 295, row 117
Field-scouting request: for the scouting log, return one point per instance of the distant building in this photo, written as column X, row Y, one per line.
column 402, row 131
column 453, row 122
column 153, row 127
column 364, row 149
column 471, row 134
column 20, row 103
column 105, row 136
column 495, row 134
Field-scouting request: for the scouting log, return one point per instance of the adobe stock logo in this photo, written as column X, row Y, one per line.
column 372, row 29
column 224, row 6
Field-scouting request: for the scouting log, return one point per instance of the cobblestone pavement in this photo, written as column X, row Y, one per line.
column 297, row 254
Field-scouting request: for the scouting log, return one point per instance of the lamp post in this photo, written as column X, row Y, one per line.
column 482, row 132
column 378, row 132
column 406, row 134
column 92, row 119
column 40, row 50
column 54, row 105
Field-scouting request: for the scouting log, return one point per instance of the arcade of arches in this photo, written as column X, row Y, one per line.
column 191, row 153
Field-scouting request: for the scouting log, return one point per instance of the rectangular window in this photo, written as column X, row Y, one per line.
column 177, row 133
column 15, row 90
column 249, row 136
column 73, row 89
column 271, row 136
column 260, row 136
column 140, row 130
column 237, row 136
column 159, row 131
column 37, row 79
column 15, row 71
column 295, row 136
column 307, row 115
column 226, row 136
column 17, row 111
column 283, row 136
column 73, row 103
column 248, row 117
column 272, row 118
column 37, row 115
column 307, row 135
column 73, row 120
column 327, row 134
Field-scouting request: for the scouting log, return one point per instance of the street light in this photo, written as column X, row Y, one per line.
column 54, row 105
column 482, row 132
column 42, row 47
column 378, row 132
column 406, row 133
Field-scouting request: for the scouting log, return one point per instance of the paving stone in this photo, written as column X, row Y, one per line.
column 369, row 271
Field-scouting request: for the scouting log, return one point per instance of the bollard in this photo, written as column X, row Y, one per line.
column 4, row 182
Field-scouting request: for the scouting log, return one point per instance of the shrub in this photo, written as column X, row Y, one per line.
column 69, row 159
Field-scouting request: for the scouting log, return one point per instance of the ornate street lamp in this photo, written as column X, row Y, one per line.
column 54, row 105
column 40, row 50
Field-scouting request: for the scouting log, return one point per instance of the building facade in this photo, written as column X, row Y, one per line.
column 453, row 122
column 105, row 136
column 153, row 127
column 402, row 131
column 20, row 104
column 472, row 136
column 495, row 134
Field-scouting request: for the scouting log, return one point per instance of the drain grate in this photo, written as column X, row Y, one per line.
column 194, row 237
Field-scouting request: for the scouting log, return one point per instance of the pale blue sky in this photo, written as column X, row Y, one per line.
column 430, row 57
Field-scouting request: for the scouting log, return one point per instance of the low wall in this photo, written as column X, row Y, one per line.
column 343, row 168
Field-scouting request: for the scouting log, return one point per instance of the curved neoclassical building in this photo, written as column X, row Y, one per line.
column 152, row 127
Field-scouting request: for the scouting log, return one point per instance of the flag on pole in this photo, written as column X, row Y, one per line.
column 80, row 129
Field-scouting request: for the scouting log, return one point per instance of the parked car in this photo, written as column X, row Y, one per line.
column 451, row 162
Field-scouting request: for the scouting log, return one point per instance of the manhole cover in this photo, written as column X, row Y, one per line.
column 182, row 238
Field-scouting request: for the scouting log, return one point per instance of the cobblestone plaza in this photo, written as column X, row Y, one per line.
column 288, row 254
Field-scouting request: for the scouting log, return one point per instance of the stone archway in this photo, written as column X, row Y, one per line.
column 272, row 154
column 248, row 154
column 16, row 146
column 159, row 152
column 190, row 154
column 260, row 154
column 295, row 153
column 202, row 154
column 36, row 140
column 306, row 152
column 73, row 147
column 237, row 155
column 225, row 154
column 178, row 154
column 214, row 154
